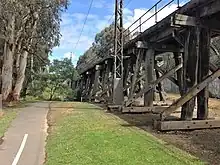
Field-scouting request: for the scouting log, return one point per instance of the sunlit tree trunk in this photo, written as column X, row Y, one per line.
column 20, row 76
column 7, row 69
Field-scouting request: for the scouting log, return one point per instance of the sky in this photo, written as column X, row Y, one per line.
column 100, row 16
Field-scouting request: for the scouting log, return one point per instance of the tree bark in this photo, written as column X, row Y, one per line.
column 20, row 76
column 7, row 69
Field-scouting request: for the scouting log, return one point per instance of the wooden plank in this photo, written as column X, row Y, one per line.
column 152, row 85
column 136, row 71
column 160, row 87
column 211, row 8
column 138, row 109
column 190, row 69
column 183, row 20
column 96, row 80
column 186, row 125
column 189, row 95
column 90, row 86
column 114, row 108
column 179, row 60
column 149, row 71
column 171, row 78
column 213, row 67
column 158, row 47
column 204, row 58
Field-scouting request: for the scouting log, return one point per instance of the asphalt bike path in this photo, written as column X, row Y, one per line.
column 24, row 142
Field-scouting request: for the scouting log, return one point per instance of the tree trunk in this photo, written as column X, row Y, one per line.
column 20, row 76
column 7, row 69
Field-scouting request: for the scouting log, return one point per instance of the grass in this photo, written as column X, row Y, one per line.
column 89, row 136
column 5, row 120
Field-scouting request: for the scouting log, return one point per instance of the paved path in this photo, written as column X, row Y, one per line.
column 24, row 141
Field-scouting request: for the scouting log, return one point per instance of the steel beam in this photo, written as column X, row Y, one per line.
column 118, row 95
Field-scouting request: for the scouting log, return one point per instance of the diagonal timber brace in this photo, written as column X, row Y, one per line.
column 213, row 67
column 152, row 85
column 171, row 78
column 136, row 70
column 189, row 95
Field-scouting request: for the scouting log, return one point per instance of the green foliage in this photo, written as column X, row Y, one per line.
column 57, row 83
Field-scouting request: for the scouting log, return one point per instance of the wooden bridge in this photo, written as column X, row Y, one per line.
column 127, row 75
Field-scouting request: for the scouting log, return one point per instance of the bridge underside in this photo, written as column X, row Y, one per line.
column 185, row 34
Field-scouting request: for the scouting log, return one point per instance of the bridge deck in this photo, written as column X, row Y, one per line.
column 162, row 31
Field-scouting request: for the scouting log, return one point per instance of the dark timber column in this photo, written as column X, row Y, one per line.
column 126, row 74
column 91, row 85
column 203, row 72
column 179, row 60
column 190, row 70
column 96, row 79
column 87, row 83
column 160, row 87
column 105, row 77
column 149, row 70
column 139, row 58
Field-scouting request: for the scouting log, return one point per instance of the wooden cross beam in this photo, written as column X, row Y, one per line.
column 136, row 70
column 152, row 85
column 213, row 67
column 171, row 78
column 189, row 95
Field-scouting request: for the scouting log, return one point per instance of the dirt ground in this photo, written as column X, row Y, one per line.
column 204, row 144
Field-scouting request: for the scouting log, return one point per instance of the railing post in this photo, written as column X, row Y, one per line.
column 156, row 13
column 140, row 24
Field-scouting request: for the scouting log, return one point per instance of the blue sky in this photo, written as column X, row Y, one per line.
column 98, row 18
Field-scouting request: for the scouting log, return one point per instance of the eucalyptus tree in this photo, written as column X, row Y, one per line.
column 29, row 28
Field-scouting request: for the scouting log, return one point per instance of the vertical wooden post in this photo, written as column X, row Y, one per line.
column 204, row 58
column 179, row 60
column 96, row 80
column 127, row 65
column 136, row 71
column 160, row 90
column 91, row 85
column 109, row 81
column 149, row 69
column 190, row 70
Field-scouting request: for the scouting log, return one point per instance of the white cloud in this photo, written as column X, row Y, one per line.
column 137, row 13
column 72, row 24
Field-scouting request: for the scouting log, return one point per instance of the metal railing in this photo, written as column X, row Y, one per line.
column 155, row 8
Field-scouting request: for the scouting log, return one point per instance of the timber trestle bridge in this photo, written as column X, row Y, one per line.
column 128, row 74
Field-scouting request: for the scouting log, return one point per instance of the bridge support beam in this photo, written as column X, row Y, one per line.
column 203, row 72
column 96, row 80
column 190, row 70
column 149, row 71
column 90, row 85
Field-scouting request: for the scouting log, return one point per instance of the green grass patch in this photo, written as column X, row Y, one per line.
column 6, row 119
column 89, row 136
